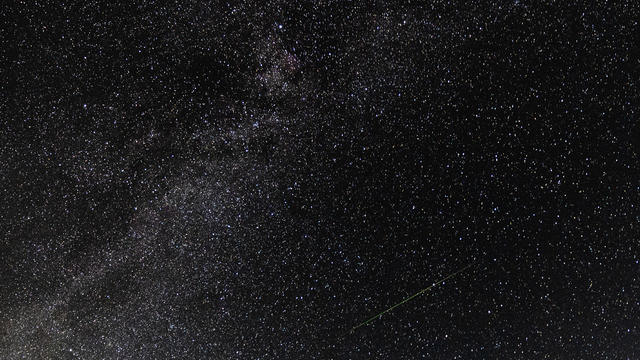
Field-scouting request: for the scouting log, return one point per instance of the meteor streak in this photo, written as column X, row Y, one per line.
column 412, row 296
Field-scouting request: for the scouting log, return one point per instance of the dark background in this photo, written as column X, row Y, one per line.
column 238, row 180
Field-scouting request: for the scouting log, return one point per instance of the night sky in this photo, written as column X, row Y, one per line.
column 241, row 180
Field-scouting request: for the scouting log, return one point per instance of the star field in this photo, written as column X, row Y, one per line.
column 239, row 180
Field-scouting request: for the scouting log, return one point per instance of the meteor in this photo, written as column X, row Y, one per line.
column 369, row 320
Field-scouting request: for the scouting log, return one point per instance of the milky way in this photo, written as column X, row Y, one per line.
column 238, row 180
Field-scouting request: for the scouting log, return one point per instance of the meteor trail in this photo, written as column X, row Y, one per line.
column 411, row 297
